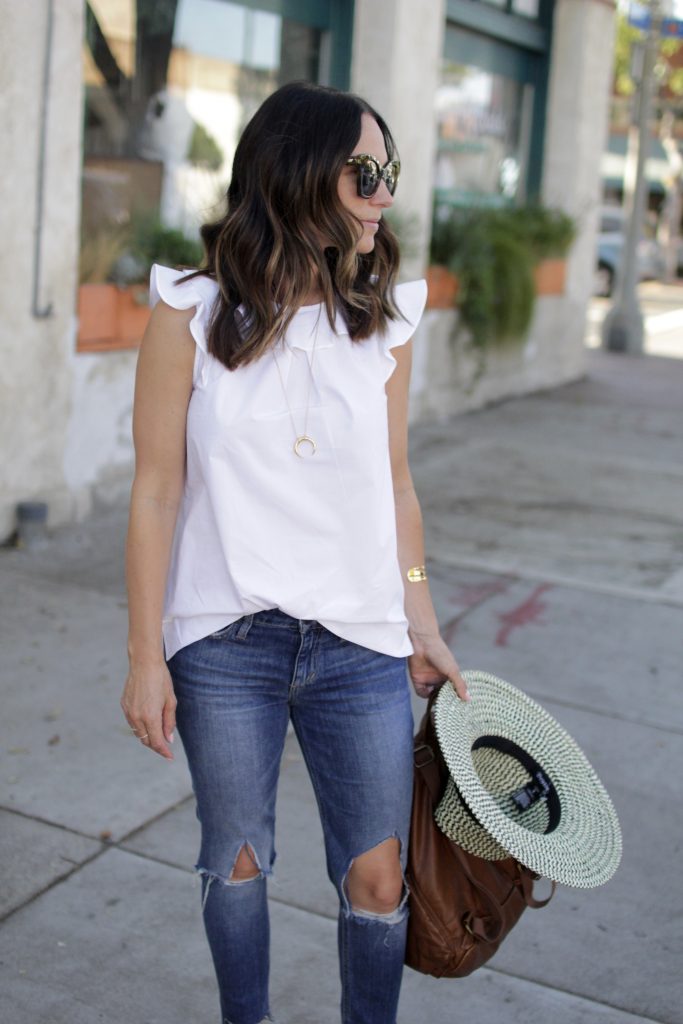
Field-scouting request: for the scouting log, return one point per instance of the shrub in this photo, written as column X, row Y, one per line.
column 493, row 252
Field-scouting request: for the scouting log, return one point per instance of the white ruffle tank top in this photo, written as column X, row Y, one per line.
column 259, row 527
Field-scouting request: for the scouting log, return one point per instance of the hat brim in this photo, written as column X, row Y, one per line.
column 584, row 849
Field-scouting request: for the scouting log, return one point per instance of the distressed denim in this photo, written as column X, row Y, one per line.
column 350, row 707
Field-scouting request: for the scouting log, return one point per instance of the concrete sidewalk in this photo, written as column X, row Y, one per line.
column 555, row 533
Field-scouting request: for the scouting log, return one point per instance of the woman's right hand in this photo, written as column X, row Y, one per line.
column 149, row 705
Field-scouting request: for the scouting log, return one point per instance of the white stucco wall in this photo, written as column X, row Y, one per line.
column 64, row 416
column 98, row 448
column 448, row 378
column 35, row 386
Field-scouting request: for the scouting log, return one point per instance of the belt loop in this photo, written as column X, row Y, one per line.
column 244, row 627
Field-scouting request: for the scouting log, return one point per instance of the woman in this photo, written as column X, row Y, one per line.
column 275, row 538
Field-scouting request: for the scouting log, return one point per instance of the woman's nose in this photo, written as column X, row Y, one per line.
column 382, row 196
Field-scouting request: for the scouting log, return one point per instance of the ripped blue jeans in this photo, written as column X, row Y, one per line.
column 350, row 707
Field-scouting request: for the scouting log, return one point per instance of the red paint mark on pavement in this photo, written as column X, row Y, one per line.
column 470, row 594
column 526, row 612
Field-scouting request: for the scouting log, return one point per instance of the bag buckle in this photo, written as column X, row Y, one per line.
column 429, row 755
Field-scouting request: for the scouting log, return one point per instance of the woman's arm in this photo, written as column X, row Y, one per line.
column 162, row 392
column 432, row 663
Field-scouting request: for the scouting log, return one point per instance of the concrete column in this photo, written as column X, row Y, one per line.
column 577, row 127
column 36, row 352
column 397, row 52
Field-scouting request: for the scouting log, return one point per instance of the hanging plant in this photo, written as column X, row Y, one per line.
column 493, row 253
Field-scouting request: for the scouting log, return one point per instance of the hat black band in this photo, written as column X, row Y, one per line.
column 540, row 787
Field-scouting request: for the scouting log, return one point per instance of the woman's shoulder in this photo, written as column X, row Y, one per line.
column 186, row 290
column 181, row 289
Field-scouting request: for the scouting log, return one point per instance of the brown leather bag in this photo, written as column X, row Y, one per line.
column 461, row 906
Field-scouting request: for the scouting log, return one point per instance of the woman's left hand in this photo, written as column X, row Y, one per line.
column 433, row 664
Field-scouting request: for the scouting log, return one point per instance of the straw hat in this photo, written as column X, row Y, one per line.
column 520, row 786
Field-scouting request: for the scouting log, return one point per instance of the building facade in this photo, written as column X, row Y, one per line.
column 121, row 117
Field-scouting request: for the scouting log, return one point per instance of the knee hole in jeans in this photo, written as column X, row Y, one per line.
column 246, row 865
column 246, row 868
column 374, row 883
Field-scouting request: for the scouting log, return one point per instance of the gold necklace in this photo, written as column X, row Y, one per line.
column 303, row 439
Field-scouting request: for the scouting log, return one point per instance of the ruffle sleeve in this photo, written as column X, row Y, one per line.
column 199, row 292
column 411, row 298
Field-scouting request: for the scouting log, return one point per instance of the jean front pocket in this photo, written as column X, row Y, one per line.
column 237, row 630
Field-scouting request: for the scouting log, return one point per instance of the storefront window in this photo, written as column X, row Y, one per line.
column 483, row 136
column 169, row 86
column 527, row 8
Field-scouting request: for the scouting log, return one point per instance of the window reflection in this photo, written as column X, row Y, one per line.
column 527, row 8
column 229, row 32
column 169, row 86
column 483, row 136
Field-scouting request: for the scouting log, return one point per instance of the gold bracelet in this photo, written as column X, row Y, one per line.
column 418, row 574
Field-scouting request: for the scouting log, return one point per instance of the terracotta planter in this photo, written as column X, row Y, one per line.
column 133, row 313
column 550, row 277
column 442, row 288
column 110, row 317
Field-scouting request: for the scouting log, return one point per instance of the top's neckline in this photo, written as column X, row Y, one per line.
column 315, row 305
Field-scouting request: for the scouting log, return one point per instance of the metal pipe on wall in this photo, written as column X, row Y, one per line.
column 42, row 312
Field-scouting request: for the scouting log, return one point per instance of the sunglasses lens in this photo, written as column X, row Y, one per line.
column 369, row 180
column 391, row 177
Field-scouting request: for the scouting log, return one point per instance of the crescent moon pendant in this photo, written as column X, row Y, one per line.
column 302, row 440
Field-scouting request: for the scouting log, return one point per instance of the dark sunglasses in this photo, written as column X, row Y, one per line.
column 371, row 173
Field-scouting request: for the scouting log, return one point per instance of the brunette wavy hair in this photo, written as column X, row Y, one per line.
column 265, row 253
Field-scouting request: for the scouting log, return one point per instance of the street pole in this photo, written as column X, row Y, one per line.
column 623, row 327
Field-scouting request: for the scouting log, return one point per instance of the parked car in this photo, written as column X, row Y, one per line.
column 611, row 240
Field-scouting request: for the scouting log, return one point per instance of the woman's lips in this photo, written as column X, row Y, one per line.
column 371, row 224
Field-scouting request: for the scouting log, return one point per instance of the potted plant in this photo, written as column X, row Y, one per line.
column 492, row 262
column 113, row 297
column 549, row 234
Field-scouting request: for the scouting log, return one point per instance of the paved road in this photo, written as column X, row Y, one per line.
column 662, row 306
column 555, row 536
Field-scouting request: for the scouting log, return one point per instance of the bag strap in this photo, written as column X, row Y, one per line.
column 427, row 756
column 526, row 880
